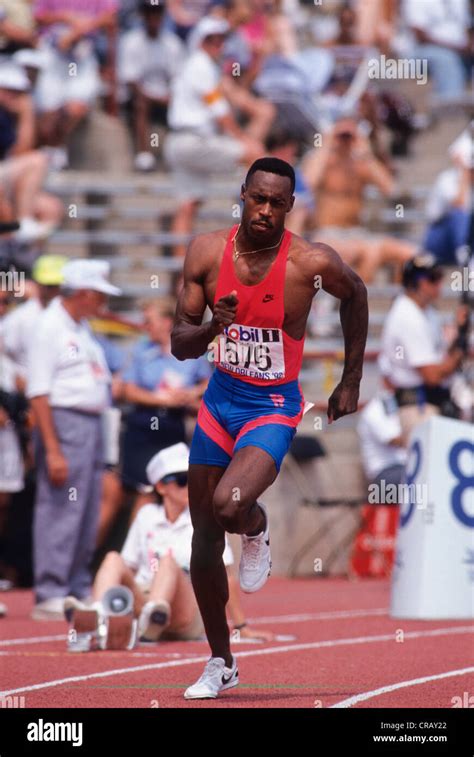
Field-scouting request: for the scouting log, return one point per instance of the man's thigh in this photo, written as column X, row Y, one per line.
column 251, row 471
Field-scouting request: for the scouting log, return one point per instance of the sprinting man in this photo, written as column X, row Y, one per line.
column 259, row 280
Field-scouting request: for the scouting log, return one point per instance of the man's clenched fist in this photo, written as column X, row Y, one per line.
column 225, row 310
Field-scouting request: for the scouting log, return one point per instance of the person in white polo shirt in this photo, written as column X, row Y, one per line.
column 68, row 385
column 21, row 323
column 414, row 359
column 379, row 430
column 155, row 561
column 205, row 138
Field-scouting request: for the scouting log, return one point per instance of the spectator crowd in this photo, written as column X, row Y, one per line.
column 224, row 82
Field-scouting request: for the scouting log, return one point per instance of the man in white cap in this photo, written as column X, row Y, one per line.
column 155, row 562
column 205, row 137
column 68, row 385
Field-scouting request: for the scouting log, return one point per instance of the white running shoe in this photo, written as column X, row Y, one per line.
column 255, row 560
column 216, row 678
column 154, row 618
column 3, row 610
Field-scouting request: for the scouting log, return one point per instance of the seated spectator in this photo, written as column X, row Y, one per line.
column 148, row 59
column 23, row 170
column 414, row 359
column 160, row 388
column 441, row 36
column 449, row 205
column 17, row 26
column 338, row 173
column 68, row 29
column 205, row 138
column 379, row 429
column 20, row 324
column 155, row 561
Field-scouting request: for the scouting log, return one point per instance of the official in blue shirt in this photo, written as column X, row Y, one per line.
column 161, row 389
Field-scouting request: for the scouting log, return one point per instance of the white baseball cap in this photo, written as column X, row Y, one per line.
column 14, row 77
column 174, row 459
column 205, row 27
column 89, row 274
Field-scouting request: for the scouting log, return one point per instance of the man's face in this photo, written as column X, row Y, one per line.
column 173, row 492
column 47, row 293
column 213, row 45
column 157, row 326
column 267, row 199
column 152, row 20
column 345, row 133
column 429, row 289
column 92, row 303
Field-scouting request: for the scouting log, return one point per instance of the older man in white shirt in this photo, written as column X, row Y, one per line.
column 68, row 385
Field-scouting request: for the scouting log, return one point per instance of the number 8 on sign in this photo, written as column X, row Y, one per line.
column 464, row 482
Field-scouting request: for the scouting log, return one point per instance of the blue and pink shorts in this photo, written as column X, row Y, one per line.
column 236, row 413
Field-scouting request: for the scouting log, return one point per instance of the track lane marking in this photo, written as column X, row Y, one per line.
column 251, row 653
column 401, row 685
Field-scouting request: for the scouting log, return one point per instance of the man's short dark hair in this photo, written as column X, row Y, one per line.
column 272, row 165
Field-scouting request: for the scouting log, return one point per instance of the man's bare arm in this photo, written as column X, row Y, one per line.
column 190, row 339
column 342, row 282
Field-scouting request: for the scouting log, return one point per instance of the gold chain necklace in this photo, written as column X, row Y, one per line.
column 237, row 254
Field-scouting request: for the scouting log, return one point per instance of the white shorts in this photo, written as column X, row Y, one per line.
column 195, row 159
column 65, row 79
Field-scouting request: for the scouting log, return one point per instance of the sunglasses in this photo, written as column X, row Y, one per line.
column 181, row 479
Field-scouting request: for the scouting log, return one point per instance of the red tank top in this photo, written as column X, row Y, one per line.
column 255, row 348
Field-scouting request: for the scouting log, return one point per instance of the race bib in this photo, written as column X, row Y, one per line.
column 252, row 351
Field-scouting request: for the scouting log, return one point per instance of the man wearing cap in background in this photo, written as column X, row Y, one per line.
column 414, row 360
column 155, row 561
column 68, row 385
column 204, row 137
column 20, row 324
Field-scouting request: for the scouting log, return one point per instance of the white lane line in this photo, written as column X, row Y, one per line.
column 401, row 685
column 301, row 618
column 32, row 640
column 251, row 653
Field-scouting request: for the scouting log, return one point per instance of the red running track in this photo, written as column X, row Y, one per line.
column 346, row 651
